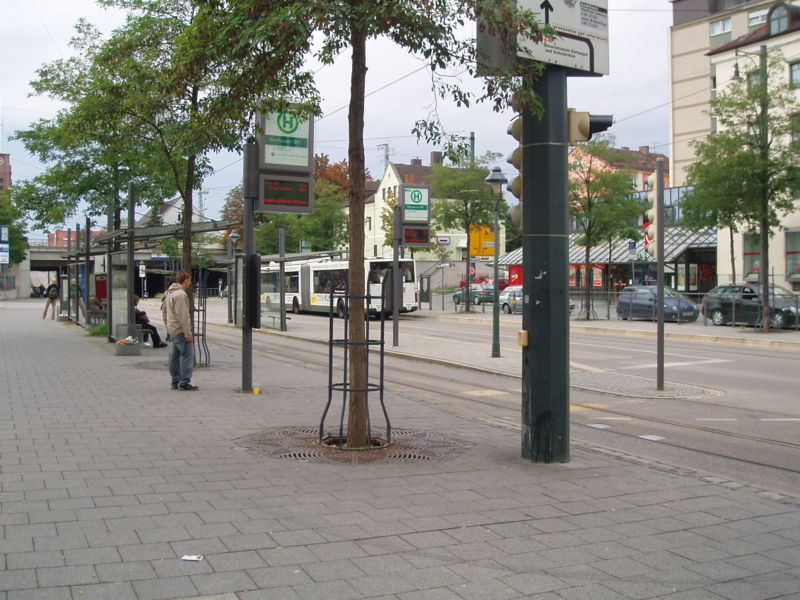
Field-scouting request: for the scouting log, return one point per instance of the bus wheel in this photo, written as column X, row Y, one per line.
column 341, row 311
column 295, row 307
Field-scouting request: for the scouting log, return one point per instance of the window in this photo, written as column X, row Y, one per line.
column 721, row 26
column 369, row 223
column 793, row 254
column 796, row 128
column 752, row 256
column 756, row 18
column 778, row 20
column 794, row 74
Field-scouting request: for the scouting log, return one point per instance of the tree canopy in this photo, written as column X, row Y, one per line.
column 601, row 202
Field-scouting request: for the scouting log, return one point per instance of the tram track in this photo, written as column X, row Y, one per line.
column 486, row 408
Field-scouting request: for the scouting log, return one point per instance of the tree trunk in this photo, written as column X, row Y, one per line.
column 188, row 207
column 468, row 290
column 733, row 257
column 357, row 435
column 587, row 271
column 764, row 273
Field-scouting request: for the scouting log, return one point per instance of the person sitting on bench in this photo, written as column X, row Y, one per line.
column 147, row 327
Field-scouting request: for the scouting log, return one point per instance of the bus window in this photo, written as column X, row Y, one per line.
column 292, row 283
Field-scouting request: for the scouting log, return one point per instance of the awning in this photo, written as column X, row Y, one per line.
column 677, row 240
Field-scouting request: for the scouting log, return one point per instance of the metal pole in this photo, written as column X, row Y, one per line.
column 660, row 274
column 282, row 275
column 68, row 295
column 109, row 269
column 250, row 193
column 397, row 226
column 86, row 276
column 545, row 363
column 131, row 274
column 496, row 273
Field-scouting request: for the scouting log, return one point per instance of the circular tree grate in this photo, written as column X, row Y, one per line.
column 296, row 443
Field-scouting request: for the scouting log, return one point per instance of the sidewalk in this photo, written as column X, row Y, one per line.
column 107, row 478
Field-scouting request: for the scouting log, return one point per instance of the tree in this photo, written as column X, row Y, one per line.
column 11, row 216
column 600, row 201
column 249, row 37
column 747, row 172
column 461, row 200
column 90, row 157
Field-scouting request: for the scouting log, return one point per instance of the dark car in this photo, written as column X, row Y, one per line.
column 478, row 292
column 639, row 302
column 740, row 303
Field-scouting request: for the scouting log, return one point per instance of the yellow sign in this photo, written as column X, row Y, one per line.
column 481, row 240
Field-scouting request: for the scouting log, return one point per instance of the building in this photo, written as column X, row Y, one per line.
column 379, row 204
column 709, row 40
column 5, row 171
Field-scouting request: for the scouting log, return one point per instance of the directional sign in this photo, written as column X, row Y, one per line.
column 582, row 41
column 416, row 204
column 5, row 254
column 287, row 143
column 5, row 233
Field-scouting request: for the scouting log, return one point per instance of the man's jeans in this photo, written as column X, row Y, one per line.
column 181, row 360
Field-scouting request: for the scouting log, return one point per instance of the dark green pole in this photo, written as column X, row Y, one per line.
column 545, row 358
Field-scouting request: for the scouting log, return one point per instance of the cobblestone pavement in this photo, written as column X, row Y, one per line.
column 108, row 479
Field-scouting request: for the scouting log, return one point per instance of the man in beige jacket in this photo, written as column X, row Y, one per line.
column 177, row 314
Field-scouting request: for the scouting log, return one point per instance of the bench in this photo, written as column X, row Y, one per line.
column 95, row 317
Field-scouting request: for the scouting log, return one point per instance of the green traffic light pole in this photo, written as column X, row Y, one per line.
column 545, row 352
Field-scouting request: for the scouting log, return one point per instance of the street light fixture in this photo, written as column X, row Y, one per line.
column 233, row 237
column 496, row 180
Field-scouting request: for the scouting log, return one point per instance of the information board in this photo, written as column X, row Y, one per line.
column 287, row 142
column 582, row 41
column 284, row 193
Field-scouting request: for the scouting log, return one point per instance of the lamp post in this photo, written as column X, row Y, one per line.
column 496, row 180
column 233, row 237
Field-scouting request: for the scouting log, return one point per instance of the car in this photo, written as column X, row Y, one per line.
column 639, row 302
column 740, row 303
column 510, row 299
column 478, row 293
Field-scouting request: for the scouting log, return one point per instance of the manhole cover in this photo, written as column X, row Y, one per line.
column 296, row 443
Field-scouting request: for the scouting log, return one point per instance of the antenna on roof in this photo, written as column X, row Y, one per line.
column 386, row 154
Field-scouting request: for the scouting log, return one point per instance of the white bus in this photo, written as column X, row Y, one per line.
column 309, row 284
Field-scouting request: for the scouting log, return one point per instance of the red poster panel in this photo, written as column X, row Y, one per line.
column 515, row 275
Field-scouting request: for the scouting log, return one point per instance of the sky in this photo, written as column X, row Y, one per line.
column 36, row 32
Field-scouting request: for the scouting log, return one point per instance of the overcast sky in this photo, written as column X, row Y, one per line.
column 36, row 32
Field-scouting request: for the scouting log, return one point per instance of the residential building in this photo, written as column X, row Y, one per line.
column 734, row 32
column 379, row 204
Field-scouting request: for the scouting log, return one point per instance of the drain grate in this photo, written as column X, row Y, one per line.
column 408, row 445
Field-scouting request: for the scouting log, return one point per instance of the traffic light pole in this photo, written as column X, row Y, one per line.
column 545, row 353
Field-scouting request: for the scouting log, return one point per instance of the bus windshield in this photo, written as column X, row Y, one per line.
column 378, row 269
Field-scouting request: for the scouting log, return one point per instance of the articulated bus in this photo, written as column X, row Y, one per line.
column 309, row 284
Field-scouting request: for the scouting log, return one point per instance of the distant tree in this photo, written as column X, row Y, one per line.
column 747, row 172
column 14, row 218
column 461, row 200
column 337, row 173
column 233, row 210
column 600, row 201
column 325, row 228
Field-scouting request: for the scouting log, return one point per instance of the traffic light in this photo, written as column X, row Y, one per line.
column 651, row 226
column 514, row 213
column 581, row 126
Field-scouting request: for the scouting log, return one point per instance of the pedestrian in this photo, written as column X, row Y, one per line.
column 144, row 321
column 176, row 310
column 51, row 293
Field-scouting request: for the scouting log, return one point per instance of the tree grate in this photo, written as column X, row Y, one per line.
column 408, row 445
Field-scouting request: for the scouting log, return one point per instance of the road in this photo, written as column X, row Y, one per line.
column 730, row 410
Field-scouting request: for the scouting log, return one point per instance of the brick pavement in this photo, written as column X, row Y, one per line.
column 107, row 478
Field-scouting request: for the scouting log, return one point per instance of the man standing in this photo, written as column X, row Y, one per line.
column 178, row 321
column 52, row 299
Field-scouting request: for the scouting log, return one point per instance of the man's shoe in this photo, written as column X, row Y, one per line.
column 188, row 387
column 174, row 386
column 160, row 345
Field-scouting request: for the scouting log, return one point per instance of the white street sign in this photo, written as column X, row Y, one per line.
column 582, row 41
column 287, row 142
column 416, row 205
column 5, row 254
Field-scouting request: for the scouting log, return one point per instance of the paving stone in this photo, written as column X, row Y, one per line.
column 105, row 591
column 165, row 588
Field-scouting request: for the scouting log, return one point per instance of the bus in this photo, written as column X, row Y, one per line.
column 309, row 284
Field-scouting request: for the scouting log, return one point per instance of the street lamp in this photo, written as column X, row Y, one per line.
column 496, row 180
column 233, row 237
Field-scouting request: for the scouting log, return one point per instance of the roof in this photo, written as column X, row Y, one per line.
column 641, row 160
column 414, row 173
column 761, row 33
column 677, row 240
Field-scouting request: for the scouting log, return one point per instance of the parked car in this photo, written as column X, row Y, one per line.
column 740, row 303
column 511, row 299
column 478, row 293
column 639, row 302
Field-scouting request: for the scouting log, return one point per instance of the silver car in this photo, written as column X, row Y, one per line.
column 511, row 299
